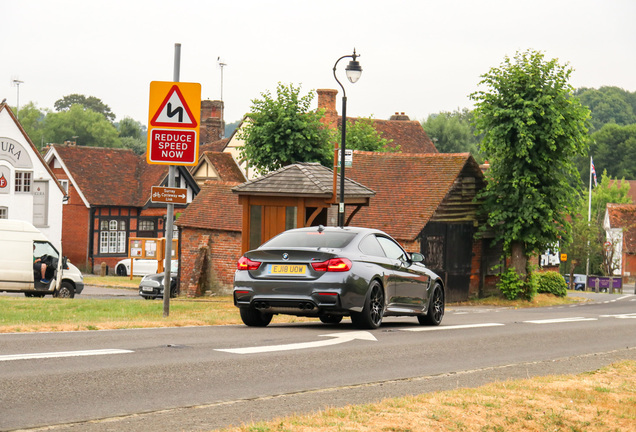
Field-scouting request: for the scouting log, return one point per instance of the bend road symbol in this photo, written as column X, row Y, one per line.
column 338, row 338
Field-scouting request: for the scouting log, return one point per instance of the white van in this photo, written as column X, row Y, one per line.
column 20, row 244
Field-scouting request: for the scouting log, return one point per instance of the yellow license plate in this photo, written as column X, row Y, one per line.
column 288, row 269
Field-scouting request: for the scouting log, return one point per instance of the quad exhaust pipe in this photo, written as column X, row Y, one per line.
column 302, row 305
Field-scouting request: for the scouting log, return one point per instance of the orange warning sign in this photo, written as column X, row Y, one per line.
column 173, row 124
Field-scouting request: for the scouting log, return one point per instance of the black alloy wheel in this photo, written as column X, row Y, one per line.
column 121, row 270
column 373, row 311
column 435, row 311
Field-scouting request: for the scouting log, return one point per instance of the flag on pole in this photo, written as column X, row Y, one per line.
column 593, row 171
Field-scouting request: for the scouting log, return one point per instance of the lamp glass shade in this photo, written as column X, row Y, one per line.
column 353, row 70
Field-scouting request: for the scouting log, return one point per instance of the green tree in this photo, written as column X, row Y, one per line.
column 32, row 120
column 453, row 132
column 282, row 130
column 608, row 105
column 614, row 149
column 128, row 127
column 361, row 135
column 230, row 127
column 91, row 103
column 532, row 128
column 85, row 127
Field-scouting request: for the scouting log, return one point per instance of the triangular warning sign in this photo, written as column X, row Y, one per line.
column 174, row 111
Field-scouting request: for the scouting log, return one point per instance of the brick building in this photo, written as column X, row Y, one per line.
column 620, row 229
column 109, row 201
column 426, row 201
column 210, row 232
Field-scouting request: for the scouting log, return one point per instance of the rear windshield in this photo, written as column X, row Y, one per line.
column 311, row 239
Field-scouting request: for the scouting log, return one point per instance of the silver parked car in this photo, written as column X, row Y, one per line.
column 152, row 286
column 330, row 273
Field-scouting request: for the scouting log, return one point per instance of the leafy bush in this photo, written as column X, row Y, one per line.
column 551, row 282
column 513, row 288
column 510, row 284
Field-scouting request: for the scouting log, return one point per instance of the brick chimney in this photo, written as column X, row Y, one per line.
column 400, row 116
column 327, row 101
column 212, row 123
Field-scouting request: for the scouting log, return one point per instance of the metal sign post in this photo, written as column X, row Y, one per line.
column 173, row 132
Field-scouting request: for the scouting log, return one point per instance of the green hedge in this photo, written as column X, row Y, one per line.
column 551, row 282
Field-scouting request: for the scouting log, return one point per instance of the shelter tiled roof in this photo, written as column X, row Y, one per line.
column 215, row 207
column 301, row 179
column 409, row 187
column 624, row 216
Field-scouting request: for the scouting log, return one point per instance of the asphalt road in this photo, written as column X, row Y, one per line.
column 202, row 378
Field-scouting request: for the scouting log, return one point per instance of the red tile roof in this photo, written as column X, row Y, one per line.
column 110, row 177
column 409, row 188
column 216, row 146
column 215, row 207
column 225, row 166
column 408, row 134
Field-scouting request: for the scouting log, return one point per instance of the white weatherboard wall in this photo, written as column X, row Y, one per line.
column 42, row 205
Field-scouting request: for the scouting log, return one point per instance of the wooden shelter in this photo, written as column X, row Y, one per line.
column 294, row 196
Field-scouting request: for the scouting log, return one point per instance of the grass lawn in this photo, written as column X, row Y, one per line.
column 53, row 314
column 600, row 401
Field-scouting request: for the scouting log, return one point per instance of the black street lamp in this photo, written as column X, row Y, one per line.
column 353, row 71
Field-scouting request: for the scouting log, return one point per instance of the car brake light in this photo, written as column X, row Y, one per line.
column 333, row 265
column 244, row 263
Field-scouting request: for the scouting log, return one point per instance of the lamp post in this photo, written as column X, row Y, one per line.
column 353, row 71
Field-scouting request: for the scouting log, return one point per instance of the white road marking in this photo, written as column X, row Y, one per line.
column 455, row 327
column 561, row 320
column 63, row 354
column 620, row 316
column 337, row 338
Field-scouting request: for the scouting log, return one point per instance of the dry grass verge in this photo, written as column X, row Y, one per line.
column 600, row 401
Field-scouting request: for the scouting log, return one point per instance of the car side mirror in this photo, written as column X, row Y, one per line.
column 417, row 257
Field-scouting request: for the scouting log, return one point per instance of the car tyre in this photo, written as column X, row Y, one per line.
column 121, row 270
column 254, row 318
column 435, row 312
column 373, row 310
column 330, row 319
column 66, row 290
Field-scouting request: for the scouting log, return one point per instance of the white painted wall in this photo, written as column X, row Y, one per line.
column 17, row 152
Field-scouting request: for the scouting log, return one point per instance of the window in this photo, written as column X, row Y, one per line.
column 22, row 181
column 391, row 249
column 112, row 236
column 64, row 184
column 255, row 226
column 4, row 213
column 370, row 246
column 146, row 225
column 290, row 217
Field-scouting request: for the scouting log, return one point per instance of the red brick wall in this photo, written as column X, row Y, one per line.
column 75, row 224
column 208, row 260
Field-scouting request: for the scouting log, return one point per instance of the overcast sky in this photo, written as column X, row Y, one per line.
column 418, row 56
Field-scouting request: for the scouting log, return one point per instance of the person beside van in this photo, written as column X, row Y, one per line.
column 40, row 267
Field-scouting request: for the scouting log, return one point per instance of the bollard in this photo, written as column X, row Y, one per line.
column 103, row 270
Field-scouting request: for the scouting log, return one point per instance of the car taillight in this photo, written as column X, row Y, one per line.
column 244, row 263
column 333, row 265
